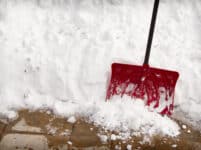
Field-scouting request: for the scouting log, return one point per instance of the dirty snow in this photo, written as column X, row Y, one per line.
column 57, row 54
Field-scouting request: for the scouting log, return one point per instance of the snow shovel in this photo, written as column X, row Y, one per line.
column 153, row 85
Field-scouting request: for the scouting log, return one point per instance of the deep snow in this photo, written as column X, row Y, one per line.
column 57, row 54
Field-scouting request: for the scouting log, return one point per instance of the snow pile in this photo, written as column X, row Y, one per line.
column 127, row 115
column 57, row 54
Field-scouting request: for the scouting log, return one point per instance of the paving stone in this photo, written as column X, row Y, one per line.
column 194, row 145
column 92, row 148
column 23, row 141
column 22, row 126
column 36, row 119
column 57, row 141
column 67, row 147
column 78, row 136
column 48, row 123
column 61, row 147
column 83, row 141
column 82, row 136
column 2, row 126
column 62, row 125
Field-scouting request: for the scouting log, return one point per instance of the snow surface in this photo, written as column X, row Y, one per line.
column 57, row 54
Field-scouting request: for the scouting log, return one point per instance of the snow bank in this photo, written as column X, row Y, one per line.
column 57, row 54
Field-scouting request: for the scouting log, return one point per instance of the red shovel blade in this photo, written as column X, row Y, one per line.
column 155, row 86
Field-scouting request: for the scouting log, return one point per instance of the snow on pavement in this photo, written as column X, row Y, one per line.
column 57, row 54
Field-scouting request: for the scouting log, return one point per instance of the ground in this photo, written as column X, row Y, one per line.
column 43, row 130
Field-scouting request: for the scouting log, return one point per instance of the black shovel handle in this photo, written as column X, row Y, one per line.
column 151, row 31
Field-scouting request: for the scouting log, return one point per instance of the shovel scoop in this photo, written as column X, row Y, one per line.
column 153, row 85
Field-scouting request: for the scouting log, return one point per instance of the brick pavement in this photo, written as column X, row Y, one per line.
column 44, row 131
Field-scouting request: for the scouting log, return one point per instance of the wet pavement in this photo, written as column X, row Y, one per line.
column 44, row 131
